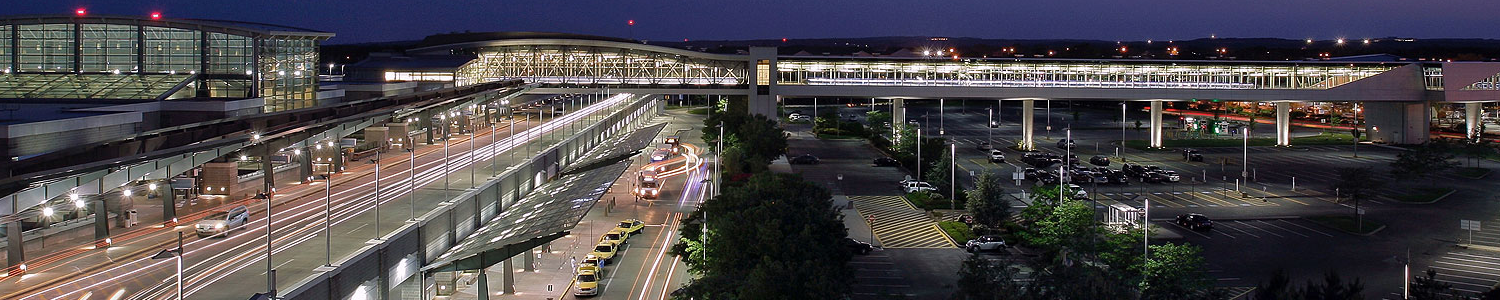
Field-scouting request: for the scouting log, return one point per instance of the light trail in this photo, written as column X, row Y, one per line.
column 427, row 176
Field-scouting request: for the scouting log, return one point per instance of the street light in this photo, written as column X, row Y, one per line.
column 177, row 253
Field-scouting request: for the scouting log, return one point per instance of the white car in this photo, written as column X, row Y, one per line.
column 1078, row 192
column 985, row 243
column 918, row 186
column 997, row 156
column 799, row 117
column 222, row 222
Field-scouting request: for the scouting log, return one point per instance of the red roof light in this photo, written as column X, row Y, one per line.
column 81, row 12
column 630, row 22
column 156, row 16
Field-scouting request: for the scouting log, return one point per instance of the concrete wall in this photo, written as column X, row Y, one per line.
column 1397, row 122
column 393, row 264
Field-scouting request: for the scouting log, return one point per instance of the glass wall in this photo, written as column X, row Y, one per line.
column 45, row 47
column 108, row 48
column 5, row 50
column 1071, row 74
column 288, row 80
column 171, row 50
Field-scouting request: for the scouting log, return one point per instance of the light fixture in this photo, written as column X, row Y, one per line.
column 47, row 211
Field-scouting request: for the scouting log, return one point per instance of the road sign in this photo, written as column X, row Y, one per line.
column 1017, row 176
column 870, row 218
column 1468, row 224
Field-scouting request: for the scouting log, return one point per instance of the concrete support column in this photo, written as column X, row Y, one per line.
column 1028, row 111
column 508, row 286
column 530, row 260
column 484, row 285
column 1472, row 113
column 1397, row 122
column 15, row 254
column 101, row 221
column 268, row 180
column 1156, row 124
column 1283, row 124
column 168, row 200
column 306, row 170
column 426, row 122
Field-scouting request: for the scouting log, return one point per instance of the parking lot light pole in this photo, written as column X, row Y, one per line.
column 377, row 193
column 952, row 176
column 919, row 152
column 1122, row 128
column 1245, row 158
column 411, row 172
column 992, row 125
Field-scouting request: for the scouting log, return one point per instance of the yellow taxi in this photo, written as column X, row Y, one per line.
column 588, row 283
column 615, row 236
column 605, row 251
column 632, row 226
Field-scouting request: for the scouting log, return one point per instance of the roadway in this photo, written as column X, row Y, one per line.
column 234, row 266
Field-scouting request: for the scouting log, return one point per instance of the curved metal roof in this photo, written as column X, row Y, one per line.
column 220, row 26
column 447, row 46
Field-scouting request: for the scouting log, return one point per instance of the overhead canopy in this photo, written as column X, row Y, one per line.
column 548, row 212
column 91, row 86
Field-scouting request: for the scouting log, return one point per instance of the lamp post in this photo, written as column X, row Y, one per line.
column 942, row 106
column 1245, row 158
column 952, row 176
column 327, row 211
column 377, row 192
column 1122, row 128
column 176, row 253
column 445, row 155
column 991, row 132
column 919, row 152
column 411, row 172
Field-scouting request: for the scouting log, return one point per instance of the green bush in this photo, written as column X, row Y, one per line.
column 923, row 200
column 958, row 231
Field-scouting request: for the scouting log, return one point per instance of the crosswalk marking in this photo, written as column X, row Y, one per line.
column 900, row 225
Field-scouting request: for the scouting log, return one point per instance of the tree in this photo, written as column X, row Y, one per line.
column 981, row 278
column 774, row 237
column 1422, row 161
column 1333, row 287
column 1173, row 270
column 878, row 120
column 1356, row 183
column 1068, row 224
column 986, row 201
column 1278, row 288
column 938, row 175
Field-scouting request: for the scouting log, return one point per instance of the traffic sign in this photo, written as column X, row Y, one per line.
column 870, row 218
column 1468, row 224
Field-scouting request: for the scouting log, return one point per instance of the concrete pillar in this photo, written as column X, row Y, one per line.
column 168, row 200
column 1156, row 124
column 426, row 122
column 306, row 160
column 898, row 115
column 101, row 221
column 484, row 285
column 221, row 178
column 1397, row 122
column 380, row 136
column 1472, row 113
column 508, row 286
column 268, row 181
column 15, row 254
column 1283, row 124
column 530, row 260
column 1028, row 111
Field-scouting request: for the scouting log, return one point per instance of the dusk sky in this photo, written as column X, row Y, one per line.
column 386, row 20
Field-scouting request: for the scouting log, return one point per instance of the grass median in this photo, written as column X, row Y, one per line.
column 1348, row 223
column 1422, row 194
column 958, row 231
column 1472, row 172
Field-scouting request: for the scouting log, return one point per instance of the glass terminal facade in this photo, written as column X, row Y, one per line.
column 142, row 59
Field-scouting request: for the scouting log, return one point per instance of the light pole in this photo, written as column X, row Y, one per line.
column 473, row 156
column 443, row 120
column 177, row 253
column 1245, row 158
column 377, row 192
column 1145, row 238
column 919, row 152
column 1122, row 128
column 991, row 132
column 270, row 269
column 942, row 105
column 411, row 172
column 327, row 211
column 952, row 176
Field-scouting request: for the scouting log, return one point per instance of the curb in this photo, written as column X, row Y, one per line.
column 1434, row 200
column 1372, row 232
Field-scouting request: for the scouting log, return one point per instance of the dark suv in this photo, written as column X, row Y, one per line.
column 1191, row 155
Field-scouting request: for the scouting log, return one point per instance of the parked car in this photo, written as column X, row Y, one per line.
column 994, row 124
column 1078, row 192
column 1170, row 176
column 796, row 117
column 1064, row 143
column 996, row 156
column 886, row 162
column 984, row 146
column 985, row 243
column 221, row 223
column 858, row 247
column 1118, row 177
column 632, row 226
column 918, row 186
column 1194, row 221
column 1191, row 155
column 805, row 159
column 588, row 282
column 1153, row 177
column 605, row 251
column 1099, row 160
